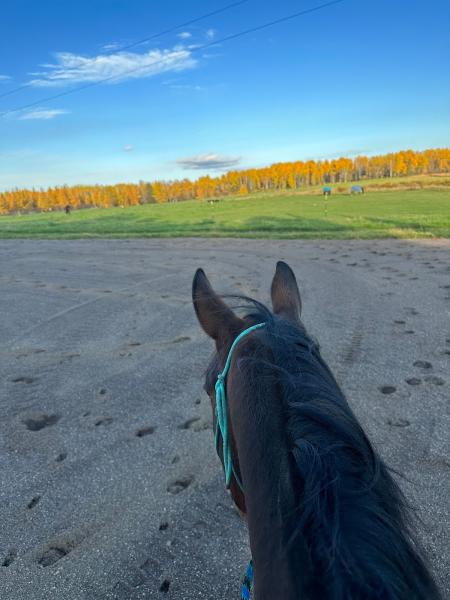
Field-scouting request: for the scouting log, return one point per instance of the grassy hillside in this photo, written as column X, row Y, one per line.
column 400, row 214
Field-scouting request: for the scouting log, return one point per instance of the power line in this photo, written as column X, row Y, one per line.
column 185, row 24
column 16, row 89
column 147, row 39
column 193, row 50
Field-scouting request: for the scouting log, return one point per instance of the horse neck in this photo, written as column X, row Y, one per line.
column 288, row 571
column 263, row 462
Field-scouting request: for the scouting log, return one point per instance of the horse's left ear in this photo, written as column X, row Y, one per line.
column 285, row 294
column 216, row 318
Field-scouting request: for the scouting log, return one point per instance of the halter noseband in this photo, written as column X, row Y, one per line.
column 222, row 414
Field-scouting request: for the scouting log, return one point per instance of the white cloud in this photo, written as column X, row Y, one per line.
column 211, row 55
column 127, row 148
column 72, row 68
column 211, row 34
column 111, row 46
column 5, row 77
column 185, row 86
column 184, row 35
column 208, row 161
column 42, row 114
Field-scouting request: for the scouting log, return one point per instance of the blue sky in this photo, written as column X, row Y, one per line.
column 356, row 77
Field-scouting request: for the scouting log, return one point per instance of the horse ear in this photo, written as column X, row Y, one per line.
column 285, row 294
column 215, row 317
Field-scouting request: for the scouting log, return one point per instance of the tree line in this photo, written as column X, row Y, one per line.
column 279, row 176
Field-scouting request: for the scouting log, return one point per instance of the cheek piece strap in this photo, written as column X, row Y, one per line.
column 222, row 429
column 222, row 432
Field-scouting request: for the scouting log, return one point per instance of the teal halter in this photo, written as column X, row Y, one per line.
column 222, row 415
column 247, row 582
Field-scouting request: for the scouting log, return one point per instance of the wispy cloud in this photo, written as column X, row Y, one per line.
column 73, row 68
column 4, row 78
column 127, row 148
column 42, row 114
column 211, row 34
column 208, row 161
column 177, row 85
column 111, row 46
column 211, row 55
column 184, row 35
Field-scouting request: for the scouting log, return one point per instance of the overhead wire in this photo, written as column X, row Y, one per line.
column 194, row 50
column 147, row 39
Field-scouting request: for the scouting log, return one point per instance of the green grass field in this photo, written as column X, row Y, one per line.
column 399, row 214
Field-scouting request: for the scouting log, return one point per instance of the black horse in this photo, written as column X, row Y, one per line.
column 326, row 519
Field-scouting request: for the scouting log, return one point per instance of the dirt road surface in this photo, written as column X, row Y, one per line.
column 110, row 486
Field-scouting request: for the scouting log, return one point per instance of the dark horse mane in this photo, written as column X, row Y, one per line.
column 350, row 513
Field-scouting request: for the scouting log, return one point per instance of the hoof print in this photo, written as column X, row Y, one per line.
column 179, row 485
column 23, row 379
column 164, row 587
column 105, row 421
column 189, row 423
column 387, row 389
column 151, row 567
column 398, row 422
column 434, row 379
column 38, row 423
column 413, row 381
column 178, row 340
column 32, row 503
column 196, row 424
column 52, row 555
column 423, row 364
column 9, row 558
column 143, row 431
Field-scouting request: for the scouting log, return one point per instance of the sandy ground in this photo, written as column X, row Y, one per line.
column 110, row 487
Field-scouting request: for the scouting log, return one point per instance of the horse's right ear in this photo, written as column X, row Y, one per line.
column 285, row 294
column 215, row 317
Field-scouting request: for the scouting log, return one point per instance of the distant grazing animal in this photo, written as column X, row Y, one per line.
column 357, row 189
column 67, row 209
column 326, row 519
column 327, row 190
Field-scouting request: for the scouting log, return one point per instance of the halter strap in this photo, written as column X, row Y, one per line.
column 222, row 414
column 247, row 582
